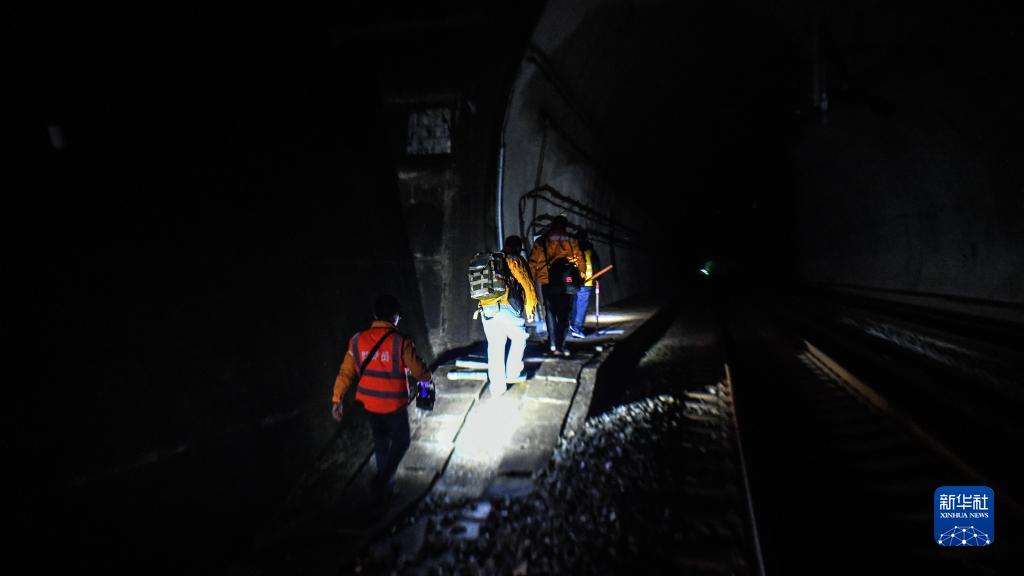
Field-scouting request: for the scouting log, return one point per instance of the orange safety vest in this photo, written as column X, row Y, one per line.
column 382, row 386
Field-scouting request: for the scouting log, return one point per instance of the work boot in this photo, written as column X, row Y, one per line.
column 576, row 333
column 516, row 379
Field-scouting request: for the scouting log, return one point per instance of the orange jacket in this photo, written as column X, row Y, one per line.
column 551, row 246
column 380, row 372
column 517, row 266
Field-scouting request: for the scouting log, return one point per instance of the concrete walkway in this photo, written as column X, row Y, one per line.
column 471, row 445
column 504, row 439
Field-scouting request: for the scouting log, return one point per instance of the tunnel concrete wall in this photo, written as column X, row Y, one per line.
column 907, row 171
column 553, row 136
column 445, row 86
column 911, row 202
column 446, row 207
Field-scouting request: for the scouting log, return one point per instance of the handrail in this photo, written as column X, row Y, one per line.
column 572, row 206
column 594, row 235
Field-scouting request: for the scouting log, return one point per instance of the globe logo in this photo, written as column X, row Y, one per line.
column 964, row 516
column 964, row 536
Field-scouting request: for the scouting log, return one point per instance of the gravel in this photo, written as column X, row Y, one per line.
column 649, row 486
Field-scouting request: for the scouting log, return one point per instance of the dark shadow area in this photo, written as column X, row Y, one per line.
column 208, row 208
column 203, row 206
column 810, row 438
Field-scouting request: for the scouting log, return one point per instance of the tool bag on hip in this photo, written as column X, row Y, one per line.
column 563, row 276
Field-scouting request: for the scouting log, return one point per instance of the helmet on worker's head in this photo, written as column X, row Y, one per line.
column 512, row 245
column 559, row 222
column 386, row 307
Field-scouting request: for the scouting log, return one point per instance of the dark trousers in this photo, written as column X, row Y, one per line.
column 558, row 306
column 390, row 441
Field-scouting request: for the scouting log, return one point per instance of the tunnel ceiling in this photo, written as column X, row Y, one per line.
column 698, row 106
column 688, row 103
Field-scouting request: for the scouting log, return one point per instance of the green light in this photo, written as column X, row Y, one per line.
column 706, row 270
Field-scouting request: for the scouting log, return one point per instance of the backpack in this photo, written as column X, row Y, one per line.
column 563, row 276
column 489, row 277
column 488, row 274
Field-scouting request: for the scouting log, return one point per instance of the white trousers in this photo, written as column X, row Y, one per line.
column 500, row 325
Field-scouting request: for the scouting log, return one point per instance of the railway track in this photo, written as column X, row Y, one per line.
column 654, row 484
column 830, row 477
column 711, row 496
column 844, row 480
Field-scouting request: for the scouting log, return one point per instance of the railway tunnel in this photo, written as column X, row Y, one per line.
column 811, row 327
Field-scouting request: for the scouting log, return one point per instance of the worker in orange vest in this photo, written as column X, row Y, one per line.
column 379, row 359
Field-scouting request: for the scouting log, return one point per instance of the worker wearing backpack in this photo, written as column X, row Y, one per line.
column 555, row 261
column 502, row 285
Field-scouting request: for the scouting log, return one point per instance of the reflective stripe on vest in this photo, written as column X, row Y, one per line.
column 382, row 386
column 590, row 267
